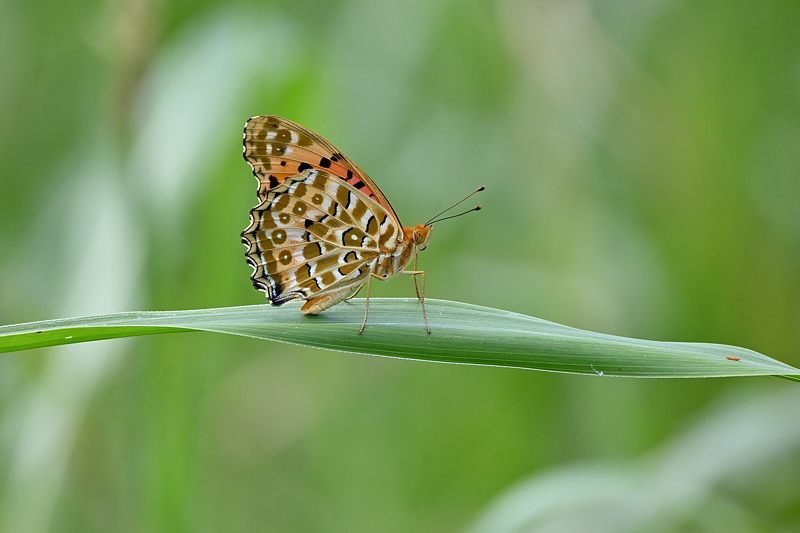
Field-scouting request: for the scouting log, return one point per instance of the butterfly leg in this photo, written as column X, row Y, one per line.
column 420, row 293
column 416, row 287
column 366, row 305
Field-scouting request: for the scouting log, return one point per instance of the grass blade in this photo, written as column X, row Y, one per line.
column 462, row 333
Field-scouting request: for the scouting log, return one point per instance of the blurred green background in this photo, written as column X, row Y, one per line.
column 642, row 164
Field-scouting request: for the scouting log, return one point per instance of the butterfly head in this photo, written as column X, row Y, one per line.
column 420, row 234
column 417, row 236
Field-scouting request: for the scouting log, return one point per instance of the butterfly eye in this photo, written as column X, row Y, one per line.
column 421, row 238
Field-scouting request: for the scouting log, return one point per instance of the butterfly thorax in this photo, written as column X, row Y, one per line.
column 391, row 262
column 388, row 264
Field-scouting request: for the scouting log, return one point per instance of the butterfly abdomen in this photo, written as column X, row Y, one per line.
column 321, row 303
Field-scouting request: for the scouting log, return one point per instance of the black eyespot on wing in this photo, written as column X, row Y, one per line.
column 303, row 166
column 273, row 181
column 349, row 173
column 324, row 162
column 308, row 223
column 359, row 185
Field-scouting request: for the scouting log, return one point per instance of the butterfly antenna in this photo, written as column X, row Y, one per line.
column 476, row 208
column 467, row 197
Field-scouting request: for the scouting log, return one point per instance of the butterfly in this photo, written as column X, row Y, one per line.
column 322, row 229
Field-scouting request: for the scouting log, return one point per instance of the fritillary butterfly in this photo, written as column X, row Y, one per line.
column 322, row 228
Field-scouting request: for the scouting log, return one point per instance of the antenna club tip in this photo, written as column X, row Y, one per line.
column 478, row 207
column 481, row 188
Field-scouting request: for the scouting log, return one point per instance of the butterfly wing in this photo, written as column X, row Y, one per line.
column 314, row 234
column 277, row 149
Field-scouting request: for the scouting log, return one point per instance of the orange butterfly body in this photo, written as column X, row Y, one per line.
column 322, row 228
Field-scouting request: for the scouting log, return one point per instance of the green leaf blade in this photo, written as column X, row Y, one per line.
column 462, row 334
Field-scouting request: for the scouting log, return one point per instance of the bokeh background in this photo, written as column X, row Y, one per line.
column 642, row 164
